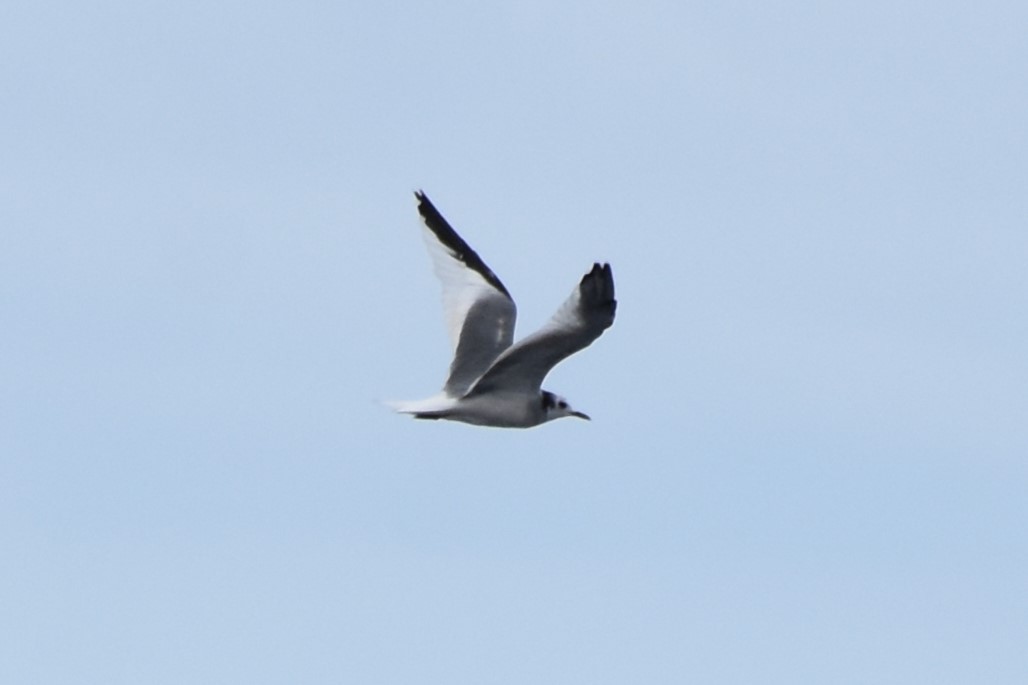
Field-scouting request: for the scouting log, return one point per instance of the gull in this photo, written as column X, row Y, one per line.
column 492, row 382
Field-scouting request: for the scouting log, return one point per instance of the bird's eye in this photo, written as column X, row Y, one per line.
column 562, row 405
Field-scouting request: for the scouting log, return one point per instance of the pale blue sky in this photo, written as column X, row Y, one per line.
column 807, row 462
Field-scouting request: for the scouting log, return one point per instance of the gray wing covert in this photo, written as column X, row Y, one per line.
column 580, row 320
column 488, row 330
column 479, row 311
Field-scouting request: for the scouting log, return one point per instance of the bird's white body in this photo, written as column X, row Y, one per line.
column 493, row 382
column 500, row 409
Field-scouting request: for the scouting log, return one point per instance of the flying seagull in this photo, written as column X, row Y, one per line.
column 491, row 381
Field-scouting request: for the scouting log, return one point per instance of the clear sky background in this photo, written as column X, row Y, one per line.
column 809, row 455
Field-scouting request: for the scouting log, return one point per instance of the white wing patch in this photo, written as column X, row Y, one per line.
column 462, row 287
column 479, row 311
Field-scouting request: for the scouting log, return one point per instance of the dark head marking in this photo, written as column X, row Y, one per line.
column 549, row 400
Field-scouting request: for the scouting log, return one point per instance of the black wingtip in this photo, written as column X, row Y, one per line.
column 422, row 199
column 597, row 289
column 437, row 223
column 431, row 215
column 603, row 274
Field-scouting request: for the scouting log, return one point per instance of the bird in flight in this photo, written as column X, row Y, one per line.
column 491, row 381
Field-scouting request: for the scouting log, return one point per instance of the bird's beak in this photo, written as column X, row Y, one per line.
column 581, row 415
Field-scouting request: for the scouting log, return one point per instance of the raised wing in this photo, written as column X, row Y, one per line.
column 480, row 313
column 581, row 319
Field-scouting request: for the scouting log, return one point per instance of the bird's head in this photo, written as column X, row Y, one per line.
column 555, row 407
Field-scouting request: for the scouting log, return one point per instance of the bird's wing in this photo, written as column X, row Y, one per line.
column 581, row 319
column 480, row 313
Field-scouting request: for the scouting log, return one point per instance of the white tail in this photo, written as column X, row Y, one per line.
column 437, row 403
